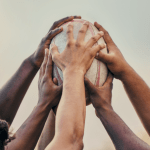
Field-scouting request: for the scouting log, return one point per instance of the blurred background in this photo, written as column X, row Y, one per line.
column 23, row 23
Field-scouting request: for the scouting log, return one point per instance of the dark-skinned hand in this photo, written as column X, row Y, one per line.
column 38, row 55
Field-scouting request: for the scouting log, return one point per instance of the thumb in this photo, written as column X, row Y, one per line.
column 103, row 57
column 109, row 80
column 54, row 51
column 91, row 88
column 55, row 81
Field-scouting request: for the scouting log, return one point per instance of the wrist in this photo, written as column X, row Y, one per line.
column 72, row 71
column 46, row 104
column 128, row 71
column 32, row 62
column 102, row 110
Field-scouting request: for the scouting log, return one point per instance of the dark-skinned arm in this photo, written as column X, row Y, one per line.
column 136, row 89
column 12, row 93
column 49, row 95
column 120, row 134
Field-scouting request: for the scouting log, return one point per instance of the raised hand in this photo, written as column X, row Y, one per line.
column 119, row 132
column 100, row 96
column 49, row 92
column 114, row 59
column 137, row 90
column 38, row 56
column 78, row 55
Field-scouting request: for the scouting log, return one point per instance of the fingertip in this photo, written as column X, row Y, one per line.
column 110, row 76
column 70, row 24
column 55, row 81
column 77, row 17
column 71, row 17
column 86, row 23
column 95, row 23
column 103, row 46
column 101, row 33
column 61, row 28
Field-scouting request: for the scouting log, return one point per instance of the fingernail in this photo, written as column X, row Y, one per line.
column 103, row 46
column 60, row 28
column 77, row 16
column 71, row 17
column 45, row 51
column 87, row 23
column 70, row 23
column 97, row 54
column 101, row 33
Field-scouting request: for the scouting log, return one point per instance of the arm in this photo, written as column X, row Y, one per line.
column 120, row 134
column 48, row 132
column 137, row 90
column 74, row 61
column 49, row 96
column 12, row 93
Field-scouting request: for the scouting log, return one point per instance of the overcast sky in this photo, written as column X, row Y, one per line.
column 23, row 23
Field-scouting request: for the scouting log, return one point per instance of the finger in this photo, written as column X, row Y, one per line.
column 106, row 58
column 49, row 66
column 63, row 20
column 43, row 63
column 42, row 70
column 106, row 36
column 97, row 48
column 55, row 55
column 82, row 32
column 51, row 34
column 95, row 38
column 91, row 88
column 54, row 50
column 77, row 17
column 70, row 32
column 55, row 81
column 109, row 80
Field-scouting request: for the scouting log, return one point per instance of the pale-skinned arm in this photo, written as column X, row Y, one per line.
column 48, row 132
column 137, row 90
column 121, row 135
column 74, row 61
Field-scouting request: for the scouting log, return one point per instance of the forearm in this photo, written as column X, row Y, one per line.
column 48, row 132
column 122, row 137
column 12, row 93
column 70, row 117
column 139, row 94
column 29, row 133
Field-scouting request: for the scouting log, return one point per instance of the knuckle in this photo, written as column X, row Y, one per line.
column 69, row 31
column 98, row 47
column 78, row 44
column 94, row 39
column 81, row 31
column 52, row 48
column 70, row 43
column 54, row 57
column 91, row 53
column 45, row 78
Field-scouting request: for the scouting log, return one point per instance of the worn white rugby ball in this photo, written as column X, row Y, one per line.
column 97, row 73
